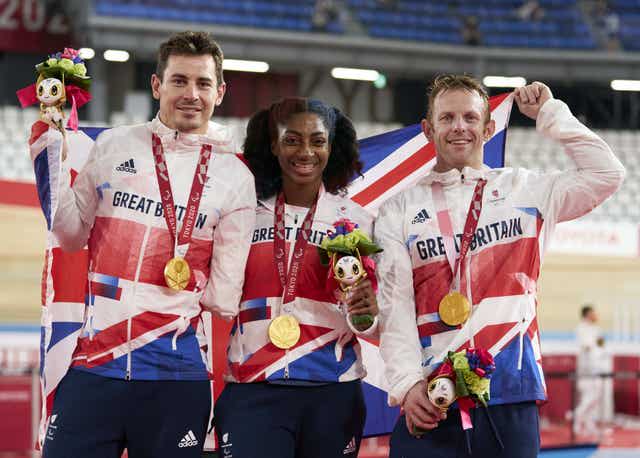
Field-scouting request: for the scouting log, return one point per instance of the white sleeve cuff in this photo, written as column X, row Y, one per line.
column 398, row 392
column 371, row 331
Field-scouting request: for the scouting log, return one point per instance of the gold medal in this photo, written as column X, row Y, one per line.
column 177, row 273
column 284, row 331
column 454, row 309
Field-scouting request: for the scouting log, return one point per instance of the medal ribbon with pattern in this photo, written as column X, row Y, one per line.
column 284, row 330
column 290, row 279
column 454, row 308
column 181, row 240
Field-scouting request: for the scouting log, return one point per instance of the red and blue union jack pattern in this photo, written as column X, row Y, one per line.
column 393, row 161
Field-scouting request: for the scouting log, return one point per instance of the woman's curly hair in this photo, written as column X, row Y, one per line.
column 344, row 157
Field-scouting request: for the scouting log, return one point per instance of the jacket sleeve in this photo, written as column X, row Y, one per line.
column 76, row 207
column 399, row 341
column 567, row 195
column 231, row 244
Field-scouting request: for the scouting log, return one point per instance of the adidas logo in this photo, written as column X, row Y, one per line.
column 351, row 447
column 127, row 166
column 189, row 440
column 421, row 217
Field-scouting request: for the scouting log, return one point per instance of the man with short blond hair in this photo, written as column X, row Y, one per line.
column 457, row 82
column 481, row 237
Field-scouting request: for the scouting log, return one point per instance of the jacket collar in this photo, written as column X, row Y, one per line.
column 455, row 176
column 270, row 202
column 217, row 135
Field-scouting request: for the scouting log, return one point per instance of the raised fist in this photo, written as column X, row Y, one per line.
column 531, row 97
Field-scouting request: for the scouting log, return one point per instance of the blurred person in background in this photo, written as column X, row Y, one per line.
column 530, row 10
column 436, row 297
column 606, row 25
column 324, row 12
column 168, row 218
column 470, row 31
column 587, row 332
column 293, row 381
column 591, row 364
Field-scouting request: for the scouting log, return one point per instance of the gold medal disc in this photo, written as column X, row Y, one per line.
column 177, row 273
column 454, row 309
column 284, row 331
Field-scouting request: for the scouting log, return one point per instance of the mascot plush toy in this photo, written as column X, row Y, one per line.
column 347, row 251
column 61, row 77
column 464, row 376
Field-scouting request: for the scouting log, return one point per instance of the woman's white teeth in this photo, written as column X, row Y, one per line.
column 306, row 166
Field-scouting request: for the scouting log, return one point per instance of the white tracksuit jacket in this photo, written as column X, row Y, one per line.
column 135, row 326
column 520, row 210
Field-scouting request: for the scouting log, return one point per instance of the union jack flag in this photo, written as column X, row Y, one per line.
column 393, row 162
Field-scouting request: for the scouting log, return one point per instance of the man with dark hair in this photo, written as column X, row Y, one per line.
column 586, row 310
column 167, row 212
column 462, row 254
column 190, row 44
column 195, row 53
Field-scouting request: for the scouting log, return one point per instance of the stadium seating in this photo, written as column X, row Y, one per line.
column 440, row 21
column 525, row 148
column 15, row 128
column 629, row 13
column 289, row 15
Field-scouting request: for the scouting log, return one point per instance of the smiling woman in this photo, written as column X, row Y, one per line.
column 318, row 139
column 294, row 362
column 302, row 148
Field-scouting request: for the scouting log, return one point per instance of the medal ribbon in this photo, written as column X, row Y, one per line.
column 290, row 279
column 446, row 226
column 182, row 239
